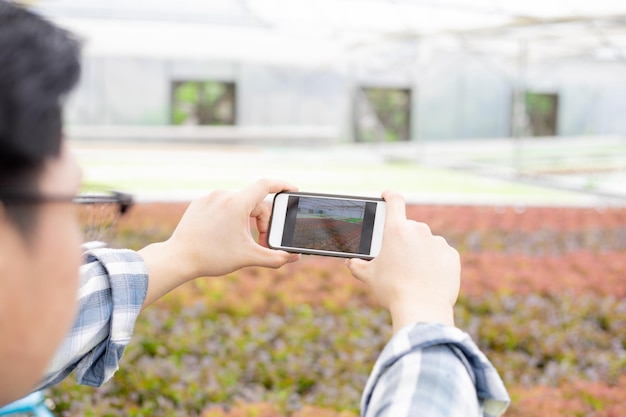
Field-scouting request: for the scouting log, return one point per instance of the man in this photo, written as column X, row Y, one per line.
column 429, row 367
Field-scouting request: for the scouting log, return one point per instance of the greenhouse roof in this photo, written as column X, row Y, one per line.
column 323, row 33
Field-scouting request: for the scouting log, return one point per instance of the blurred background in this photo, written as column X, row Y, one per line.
column 501, row 121
column 455, row 101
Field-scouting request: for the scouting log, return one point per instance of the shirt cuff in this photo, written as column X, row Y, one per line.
column 128, row 278
column 113, row 287
column 490, row 389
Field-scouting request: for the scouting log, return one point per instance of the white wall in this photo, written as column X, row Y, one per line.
column 454, row 96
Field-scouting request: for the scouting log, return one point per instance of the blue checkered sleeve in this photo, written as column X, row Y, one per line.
column 113, row 286
column 435, row 371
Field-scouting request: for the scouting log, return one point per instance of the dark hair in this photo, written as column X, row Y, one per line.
column 39, row 65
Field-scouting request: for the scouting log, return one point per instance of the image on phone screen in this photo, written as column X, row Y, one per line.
column 329, row 224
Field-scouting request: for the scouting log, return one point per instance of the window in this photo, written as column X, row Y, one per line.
column 382, row 114
column 542, row 111
column 203, row 103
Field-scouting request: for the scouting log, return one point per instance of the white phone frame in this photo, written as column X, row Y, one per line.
column 279, row 213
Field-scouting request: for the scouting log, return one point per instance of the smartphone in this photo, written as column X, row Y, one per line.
column 327, row 224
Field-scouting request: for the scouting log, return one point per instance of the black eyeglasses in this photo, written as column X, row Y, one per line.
column 97, row 212
column 122, row 200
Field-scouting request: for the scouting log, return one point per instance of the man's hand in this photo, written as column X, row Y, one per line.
column 416, row 276
column 214, row 238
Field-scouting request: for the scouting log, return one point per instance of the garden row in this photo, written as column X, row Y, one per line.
column 546, row 301
column 187, row 360
column 441, row 218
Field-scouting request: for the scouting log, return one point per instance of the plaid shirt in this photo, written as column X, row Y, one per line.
column 425, row 369
column 113, row 286
column 435, row 371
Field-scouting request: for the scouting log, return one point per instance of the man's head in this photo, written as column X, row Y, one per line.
column 39, row 65
column 39, row 242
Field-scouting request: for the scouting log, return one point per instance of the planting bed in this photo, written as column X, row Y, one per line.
column 543, row 294
column 327, row 234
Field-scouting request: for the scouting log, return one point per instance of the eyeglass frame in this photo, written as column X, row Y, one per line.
column 122, row 199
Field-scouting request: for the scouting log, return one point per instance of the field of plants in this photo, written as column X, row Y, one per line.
column 543, row 294
column 327, row 234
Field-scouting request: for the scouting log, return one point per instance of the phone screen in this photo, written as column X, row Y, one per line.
column 329, row 224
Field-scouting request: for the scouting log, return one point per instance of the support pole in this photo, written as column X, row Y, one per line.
column 520, row 118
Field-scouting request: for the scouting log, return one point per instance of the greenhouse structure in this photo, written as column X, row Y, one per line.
column 347, row 71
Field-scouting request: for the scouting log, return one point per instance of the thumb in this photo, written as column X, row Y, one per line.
column 271, row 258
column 359, row 268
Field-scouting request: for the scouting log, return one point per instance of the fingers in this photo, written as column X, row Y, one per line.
column 262, row 213
column 396, row 208
column 260, row 189
column 364, row 270
column 271, row 258
column 358, row 268
column 255, row 195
